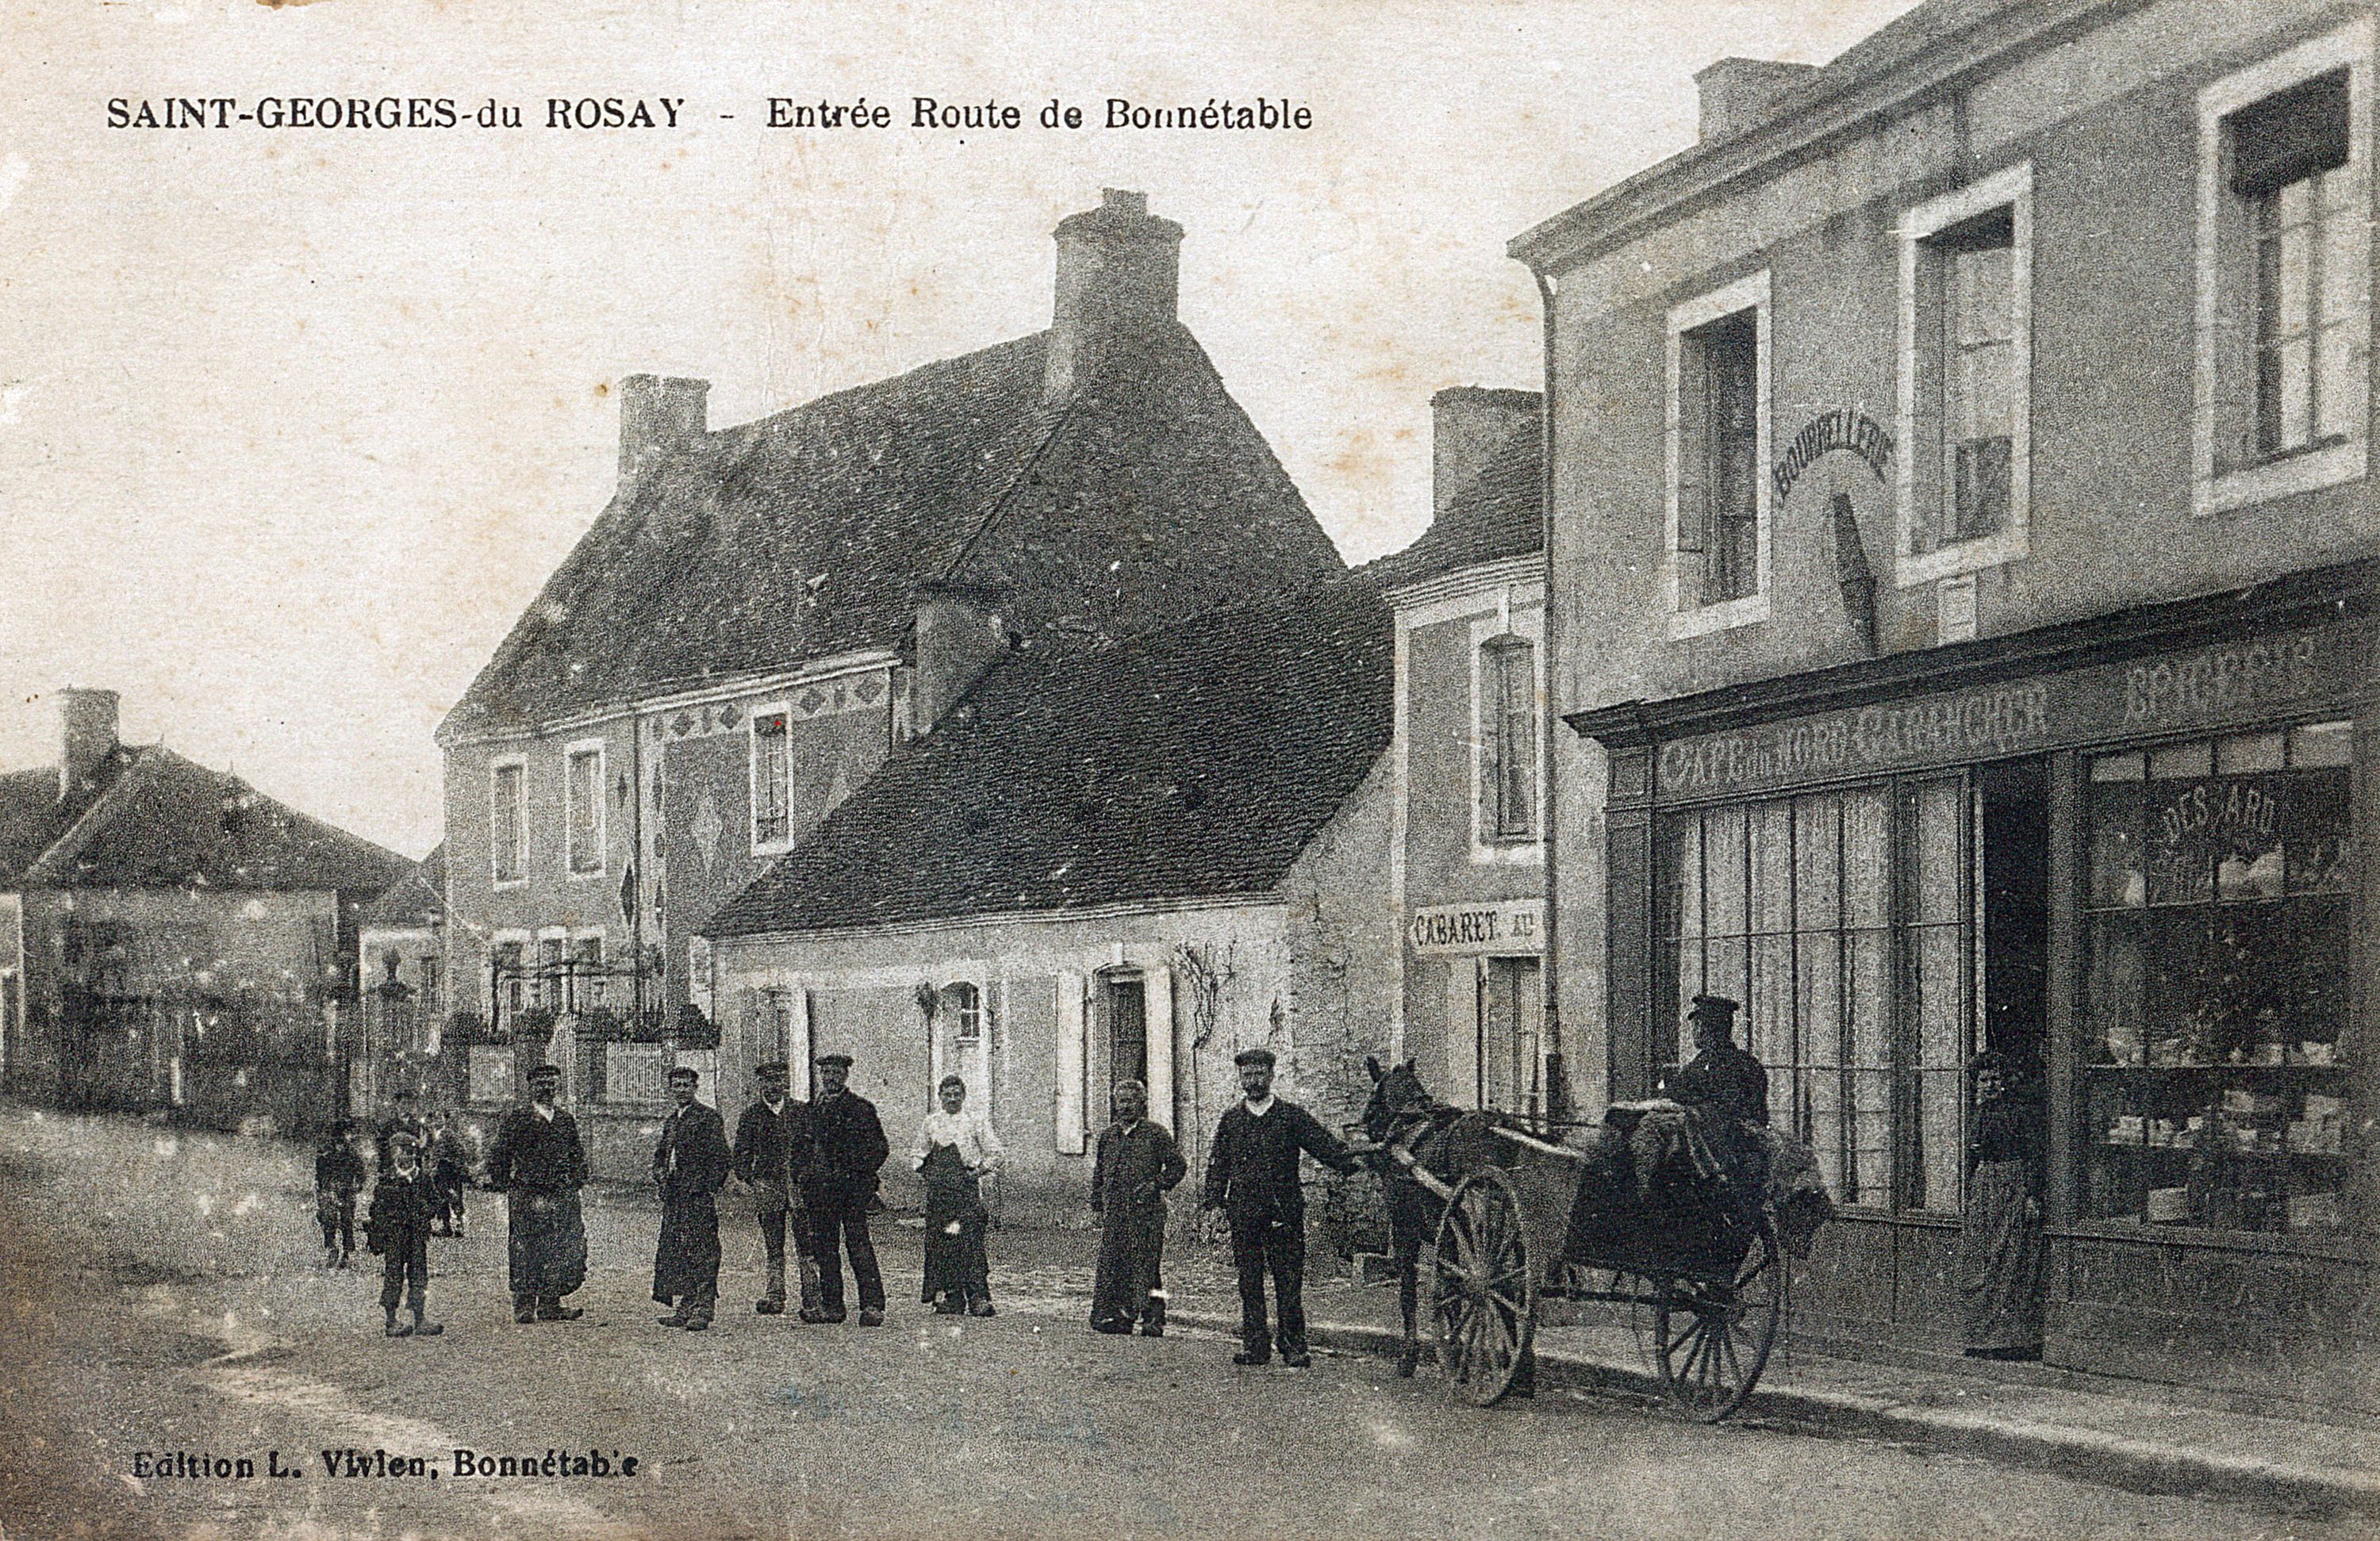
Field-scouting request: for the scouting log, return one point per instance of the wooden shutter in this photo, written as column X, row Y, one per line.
column 1067, row 1102
column 1157, row 991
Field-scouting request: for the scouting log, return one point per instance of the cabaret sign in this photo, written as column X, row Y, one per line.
column 1496, row 926
column 1842, row 429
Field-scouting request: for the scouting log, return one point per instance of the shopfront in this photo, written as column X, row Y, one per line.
column 2130, row 856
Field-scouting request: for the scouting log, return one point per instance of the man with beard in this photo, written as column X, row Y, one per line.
column 689, row 1163
column 539, row 1163
column 847, row 1146
column 772, row 1144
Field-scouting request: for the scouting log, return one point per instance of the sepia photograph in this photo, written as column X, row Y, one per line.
column 1355, row 769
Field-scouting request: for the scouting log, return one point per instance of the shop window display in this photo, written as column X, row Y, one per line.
column 2218, row 922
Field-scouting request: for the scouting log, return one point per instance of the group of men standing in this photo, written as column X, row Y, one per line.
column 813, row 1168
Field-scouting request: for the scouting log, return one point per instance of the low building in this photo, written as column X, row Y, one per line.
column 171, row 938
column 1467, row 856
column 1110, row 860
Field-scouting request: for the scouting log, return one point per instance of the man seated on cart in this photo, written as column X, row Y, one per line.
column 1723, row 1080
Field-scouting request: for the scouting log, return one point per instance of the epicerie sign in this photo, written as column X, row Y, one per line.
column 1500, row 925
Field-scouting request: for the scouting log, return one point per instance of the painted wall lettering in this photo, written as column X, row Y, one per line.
column 1842, row 429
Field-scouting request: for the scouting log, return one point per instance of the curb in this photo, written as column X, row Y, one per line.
column 2111, row 1460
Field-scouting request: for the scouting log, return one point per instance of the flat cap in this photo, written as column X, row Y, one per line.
column 843, row 1059
column 1253, row 1056
column 775, row 1070
column 1715, row 1005
column 545, row 1072
column 685, row 1073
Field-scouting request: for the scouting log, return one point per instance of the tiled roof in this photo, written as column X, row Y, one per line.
column 32, row 819
column 414, row 901
column 1147, row 496
column 1193, row 762
column 167, row 823
column 1499, row 514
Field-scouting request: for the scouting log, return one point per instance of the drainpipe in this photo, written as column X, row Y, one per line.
column 1557, row 1076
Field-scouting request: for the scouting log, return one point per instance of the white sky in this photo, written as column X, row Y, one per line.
column 293, row 425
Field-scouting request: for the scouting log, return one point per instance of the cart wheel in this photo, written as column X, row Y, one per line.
column 1483, row 1289
column 1712, row 1339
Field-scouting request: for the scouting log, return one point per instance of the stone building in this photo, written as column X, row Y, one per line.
column 750, row 627
column 171, row 938
column 1962, row 582
column 1109, row 860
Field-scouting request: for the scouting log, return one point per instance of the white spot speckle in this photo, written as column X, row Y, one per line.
column 14, row 169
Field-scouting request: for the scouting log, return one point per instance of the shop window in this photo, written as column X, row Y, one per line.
column 1717, row 451
column 582, row 804
column 771, row 781
column 1508, row 738
column 508, row 830
column 1844, row 923
column 1511, row 1049
column 2285, row 273
column 2220, row 910
column 1966, row 309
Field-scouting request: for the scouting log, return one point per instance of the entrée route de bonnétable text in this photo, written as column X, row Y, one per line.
column 1213, row 113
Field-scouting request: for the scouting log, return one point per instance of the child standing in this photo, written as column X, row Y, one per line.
column 398, row 1229
column 338, row 1177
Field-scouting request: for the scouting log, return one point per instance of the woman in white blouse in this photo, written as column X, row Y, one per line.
column 955, row 1148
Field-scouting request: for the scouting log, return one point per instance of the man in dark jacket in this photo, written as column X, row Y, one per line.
column 537, row 1159
column 1136, row 1166
column 1252, row 1177
column 1721, row 1079
column 773, row 1144
column 689, row 1164
column 847, row 1146
column 403, row 1119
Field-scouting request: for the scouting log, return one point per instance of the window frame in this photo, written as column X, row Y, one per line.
column 571, row 754
column 1523, row 622
column 1750, row 293
column 2216, row 487
column 2010, row 187
column 783, row 712
column 497, row 877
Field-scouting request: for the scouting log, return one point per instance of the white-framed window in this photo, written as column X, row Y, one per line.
column 772, row 778
column 1965, row 477
column 2284, row 337
column 1718, row 458
column 582, row 807
column 1506, row 701
column 508, row 821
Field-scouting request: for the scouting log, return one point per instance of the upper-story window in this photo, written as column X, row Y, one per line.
column 507, row 827
column 583, row 807
column 1508, row 738
column 1717, row 451
column 2285, row 251
column 772, row 780
column 1966, row 368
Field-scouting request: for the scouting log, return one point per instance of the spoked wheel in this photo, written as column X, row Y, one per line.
column 1712, row 1339
column 1483, row 1289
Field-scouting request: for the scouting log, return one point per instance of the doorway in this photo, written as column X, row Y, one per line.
column 1512, row 1018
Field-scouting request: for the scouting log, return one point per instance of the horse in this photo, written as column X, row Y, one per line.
column 1407, row 1129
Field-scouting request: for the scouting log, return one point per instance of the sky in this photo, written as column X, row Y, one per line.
column 294, row 423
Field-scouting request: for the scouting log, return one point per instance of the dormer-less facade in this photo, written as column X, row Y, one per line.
column 1963, row 572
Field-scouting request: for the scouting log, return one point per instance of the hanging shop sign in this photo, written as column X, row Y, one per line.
column 2209, row 686
column 1496, row 926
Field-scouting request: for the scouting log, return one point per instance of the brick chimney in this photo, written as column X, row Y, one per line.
column 1738, row 94
column 658, row 413
column 959, row 635
column 87, row 739
column 1468, row 424
column 1119, row 275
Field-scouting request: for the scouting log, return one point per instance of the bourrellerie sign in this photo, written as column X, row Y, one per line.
column 2209, row 686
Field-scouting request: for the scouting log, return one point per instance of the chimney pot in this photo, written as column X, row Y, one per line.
column 1119, row 276
column 87, row 738
column 658, row 412
column 1738, row 94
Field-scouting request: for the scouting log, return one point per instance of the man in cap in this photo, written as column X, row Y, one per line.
column 847, row 1147
column 1252, row 1177
column 689, row 1163
column 403, row 1119
column 1721, row 1079
column 1135, row 1165
column 537, row 1159
column 772, row 1144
